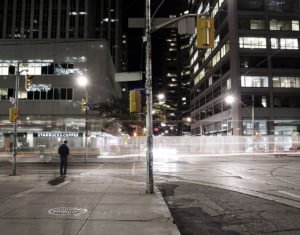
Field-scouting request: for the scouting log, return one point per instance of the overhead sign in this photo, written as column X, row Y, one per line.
column 128, row 77
column 58, row 134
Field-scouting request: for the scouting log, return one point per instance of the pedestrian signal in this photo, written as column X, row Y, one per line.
column 83, row 105
column 205, row 33
column 135, row 101
column 13, row 114
column 28, row 81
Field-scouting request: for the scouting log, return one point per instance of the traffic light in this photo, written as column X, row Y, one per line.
column 83, row 105
column 135, row 101
column 205, row 33
column 28, row 81
column 13, row 114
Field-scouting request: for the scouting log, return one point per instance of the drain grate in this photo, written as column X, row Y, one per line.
column 67, row 211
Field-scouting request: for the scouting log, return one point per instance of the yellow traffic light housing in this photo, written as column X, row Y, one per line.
column 83, row 105
column 28, row 81
column 13, row 114
column 205, row 33
column 135, row 101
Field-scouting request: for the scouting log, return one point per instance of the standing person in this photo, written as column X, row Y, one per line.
column 63, row 152
column 10, row 146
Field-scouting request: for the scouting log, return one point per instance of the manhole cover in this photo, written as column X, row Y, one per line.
column 67, row 211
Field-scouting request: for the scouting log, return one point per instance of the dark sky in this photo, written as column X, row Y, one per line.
column 136, row 9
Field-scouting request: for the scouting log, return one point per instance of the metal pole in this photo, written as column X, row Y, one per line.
column 252, row 116
column 86, row 124
column 227, row 121
column 14, row 159
column 149, row 124
column 253, row 128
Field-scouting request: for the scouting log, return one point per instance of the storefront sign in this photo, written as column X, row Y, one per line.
column 58, row 134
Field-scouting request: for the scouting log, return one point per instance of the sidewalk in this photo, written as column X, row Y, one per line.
column 89, row 201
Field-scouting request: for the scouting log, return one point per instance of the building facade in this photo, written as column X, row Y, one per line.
column 255, row 60
column 64, row 19
column 173, row 80
column 57, row 42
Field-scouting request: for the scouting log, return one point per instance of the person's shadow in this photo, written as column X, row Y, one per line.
column 56, row 181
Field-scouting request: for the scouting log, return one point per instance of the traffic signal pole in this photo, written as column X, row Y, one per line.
column 14, row 158
column 149, row 125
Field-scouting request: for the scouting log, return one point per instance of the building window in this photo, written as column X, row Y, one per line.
column 286, row 82
column 253, row 5
column 287, row 101
column 292, row 25
column 284, row 43
column 254, row 81
column 257, row 24
column 252, row 42
column 283, row 6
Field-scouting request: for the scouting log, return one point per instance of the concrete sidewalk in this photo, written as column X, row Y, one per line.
column 96, row 201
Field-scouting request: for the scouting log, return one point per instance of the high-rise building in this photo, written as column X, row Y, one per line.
column 255, row 60
column 64, row 19
column 172, row 79
column 56, row 42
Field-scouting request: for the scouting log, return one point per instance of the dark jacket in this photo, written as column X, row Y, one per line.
column 63, row 150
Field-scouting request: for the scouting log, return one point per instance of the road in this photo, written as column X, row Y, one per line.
column 210, row 194
column 232, row 194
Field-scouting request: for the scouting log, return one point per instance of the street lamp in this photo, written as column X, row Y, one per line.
column 161, row 97
column 83, row 82
column 230, row 99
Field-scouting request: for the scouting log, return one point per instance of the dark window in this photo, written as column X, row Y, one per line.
column 36, row 95
column 63, row 94
column 30, row 95
column 56, row 94
column 253, row 62
column 284, row 62
column 43, row 95
column 69, row 94
column 11, row 70
column 283, row 5
column 251, row 5
column 10, row 93
column 50, row 94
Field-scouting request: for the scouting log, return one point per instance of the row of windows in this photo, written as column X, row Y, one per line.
column 271, row 5
column 261, row 43
column 38, row 68
column 276, row 43
column 52, row 94
column 216, row 92
column 247, row 81
column 260, row 101
column 217, row 57
column 53, row 14
column 274, row 24
column 263, row 81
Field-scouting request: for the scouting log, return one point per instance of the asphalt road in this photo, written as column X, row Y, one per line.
column 213, row 194
column 232, row 195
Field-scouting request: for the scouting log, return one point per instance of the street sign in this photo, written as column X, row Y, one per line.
column 12, row 100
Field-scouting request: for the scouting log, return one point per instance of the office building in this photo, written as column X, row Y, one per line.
column 255, row 60
column 57, row 42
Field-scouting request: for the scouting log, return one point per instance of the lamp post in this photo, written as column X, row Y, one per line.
column 83, row 82
column 230, row 99
column 148, row 86
column 16, row 106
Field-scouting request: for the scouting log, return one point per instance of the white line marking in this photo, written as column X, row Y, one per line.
column 290, row 194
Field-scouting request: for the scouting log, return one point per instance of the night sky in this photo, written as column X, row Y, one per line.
column 136, row 9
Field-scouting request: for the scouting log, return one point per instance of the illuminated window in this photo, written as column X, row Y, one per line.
column 284, row 43
column 252, row 42
column 286, row 82
column 257, row 24
column 254, row 81
column 292, row 25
